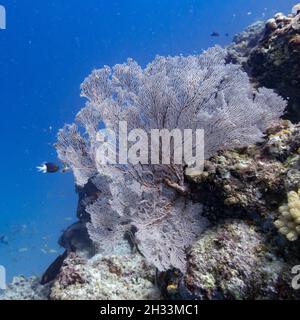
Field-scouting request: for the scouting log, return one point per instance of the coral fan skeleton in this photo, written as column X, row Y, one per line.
column 152, row 200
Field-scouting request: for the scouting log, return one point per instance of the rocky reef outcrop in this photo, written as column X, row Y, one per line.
column 244, row 42
column 120, row 277
column 244, row 256
column 235, row 260
column 252, row 182
column 270, row 53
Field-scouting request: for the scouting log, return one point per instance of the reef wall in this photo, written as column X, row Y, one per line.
column 270, row 53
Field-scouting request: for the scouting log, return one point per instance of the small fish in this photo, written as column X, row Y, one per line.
column 215, row 34
column 23, row 249
column 48, row 167
column 226, row 34
column 46, row 249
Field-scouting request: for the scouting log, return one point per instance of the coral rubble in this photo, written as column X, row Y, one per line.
column 22, row 288
column 124, row 277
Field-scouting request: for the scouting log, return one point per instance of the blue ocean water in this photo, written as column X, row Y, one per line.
column 48, row 48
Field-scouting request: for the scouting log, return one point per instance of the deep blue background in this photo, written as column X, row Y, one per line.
column 46, row 51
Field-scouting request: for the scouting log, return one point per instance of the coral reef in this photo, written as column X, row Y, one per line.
column 289, row 219
column 275, row 62
column 121, row 277
column 251, row 182
column 245, row 258
column 227, row 218
column 271, row 56
column 23, row 288
column 236, row 261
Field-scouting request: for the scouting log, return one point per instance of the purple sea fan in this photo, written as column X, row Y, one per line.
column 193, row 92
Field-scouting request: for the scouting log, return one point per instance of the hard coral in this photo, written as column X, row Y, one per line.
column 236, row 261
column 125, row 277
column 269, row 52
column 288, row 223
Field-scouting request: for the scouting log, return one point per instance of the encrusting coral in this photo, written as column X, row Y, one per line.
column 236, row 261
column 251, row 182
column 288, row 223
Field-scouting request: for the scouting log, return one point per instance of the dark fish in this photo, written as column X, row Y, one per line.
column 215, row 34
column 48, row 167
column 54, row 269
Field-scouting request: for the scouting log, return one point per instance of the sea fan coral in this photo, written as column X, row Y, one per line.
column 170, row 93
column 194, row 92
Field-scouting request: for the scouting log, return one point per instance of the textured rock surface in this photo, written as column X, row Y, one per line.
column 244, row 42
column 275, row 62
column 246, row 258
column 252, row 182
column 270, row 53
column 236, row 261
column 23, row 288
column 105, row 278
